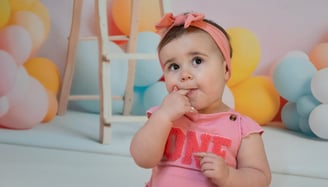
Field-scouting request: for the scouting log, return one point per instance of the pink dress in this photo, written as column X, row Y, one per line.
column 219, row 133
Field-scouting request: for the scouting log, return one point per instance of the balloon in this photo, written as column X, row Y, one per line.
column 290, row 117
column 112, row 27
column 246, row 54
column 319, row 56
column 147, row 71
column 4, row 12
column 138, row 107
column 257, row 98
column 34, row 25
column 16, row 41
column 85, row 80
column 318, row 121
column 8, row 72
column 17, row 5
column 292, row 77
column 228, row 97
column 319, row 86
column 277, row 118
column 305, row 104
column 305, row 126
column 42, row 12
column 50, row 78
column 149, row 15
column 154, row 94
column 52, row 107
column 18, row 92
column 4, row 105
column 30, row 111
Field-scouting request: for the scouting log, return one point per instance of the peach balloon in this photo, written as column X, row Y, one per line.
column 52, row 107
column 319, row 56
column 34, row 25
column 8, row 72
column 40, row 10
column 149, row 15
column 45, row 71
column 16, row 41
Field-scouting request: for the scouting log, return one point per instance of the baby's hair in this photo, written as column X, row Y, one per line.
column 177, row 31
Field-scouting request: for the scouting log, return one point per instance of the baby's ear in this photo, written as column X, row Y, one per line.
column 227, row 73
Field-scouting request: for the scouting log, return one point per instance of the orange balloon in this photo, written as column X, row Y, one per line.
column 257, row 98
column 45, row 71
column 52, row 107
column 319, row 56
column 149, row 15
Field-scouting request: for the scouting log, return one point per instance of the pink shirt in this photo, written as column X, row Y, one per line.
column 219, row 133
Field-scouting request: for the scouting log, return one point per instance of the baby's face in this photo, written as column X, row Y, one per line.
column 195, row 63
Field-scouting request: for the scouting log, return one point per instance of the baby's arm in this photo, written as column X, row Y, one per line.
column 252, row 170
column 148, row 144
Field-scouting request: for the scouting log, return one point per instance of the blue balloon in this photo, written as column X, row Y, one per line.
column 138, row 107
column 85, row 80
column 147, row 71
column 305, row 127
column 292, row 77
column 290, row 117
column 155, row 94
column 305, row 104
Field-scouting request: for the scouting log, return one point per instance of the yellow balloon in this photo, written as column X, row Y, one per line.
column 246, row 54
column 4, row 12
column 18, row 5
column 257, row 98
column 149, row 15
column 45, row 71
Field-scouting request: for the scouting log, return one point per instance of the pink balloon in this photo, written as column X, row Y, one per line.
column 29, row 112
column 8, row 72
column 4, row 105
column 16, row 41
column 34, row 25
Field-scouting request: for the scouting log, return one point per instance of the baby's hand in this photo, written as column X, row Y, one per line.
column 213, row 167
column 176, row 104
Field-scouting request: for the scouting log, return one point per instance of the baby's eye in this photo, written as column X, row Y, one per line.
column 174, row 67
column 197, row 61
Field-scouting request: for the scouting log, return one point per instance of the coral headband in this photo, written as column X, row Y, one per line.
column 168, row 21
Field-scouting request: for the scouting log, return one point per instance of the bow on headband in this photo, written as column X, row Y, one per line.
column 168, row 21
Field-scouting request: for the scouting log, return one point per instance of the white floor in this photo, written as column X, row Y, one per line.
column 66, row 152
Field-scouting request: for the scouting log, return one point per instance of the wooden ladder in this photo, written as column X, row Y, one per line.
column 105, row 56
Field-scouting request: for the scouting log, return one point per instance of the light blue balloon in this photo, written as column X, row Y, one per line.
column 305, row 104
column 292, row 77
column 290, row 117
column 147, row 71
column 155, row 94
column 305, row 127
column 138, row 107
column 85, row 80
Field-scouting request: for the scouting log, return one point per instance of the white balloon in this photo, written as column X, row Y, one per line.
column 318, row 121
column 228, row 97
column 319, row 86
